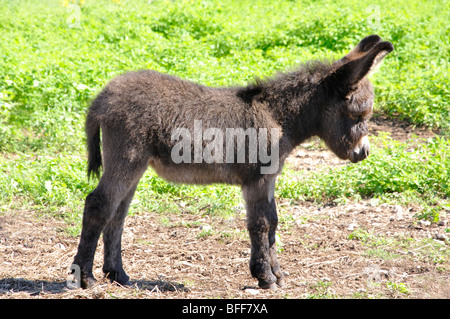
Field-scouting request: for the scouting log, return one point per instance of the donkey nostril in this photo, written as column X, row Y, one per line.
column 354, row 158
column 366, row 151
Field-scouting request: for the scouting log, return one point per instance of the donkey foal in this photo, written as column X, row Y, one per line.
column 147, row 119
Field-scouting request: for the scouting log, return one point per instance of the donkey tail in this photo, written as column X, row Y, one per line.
column 93, row 145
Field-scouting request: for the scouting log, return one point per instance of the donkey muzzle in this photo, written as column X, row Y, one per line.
column 361, row 151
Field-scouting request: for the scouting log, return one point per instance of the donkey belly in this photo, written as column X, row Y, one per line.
column 195, row 173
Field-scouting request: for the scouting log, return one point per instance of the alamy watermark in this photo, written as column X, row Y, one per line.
column 215, row 145
column 73, row 280
column 74, row 18
column 375, row 274
column 373, row 20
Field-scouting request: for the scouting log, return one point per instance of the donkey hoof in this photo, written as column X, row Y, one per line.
column 119, row 277
column 87, row 282
column 265, row 285
column 281, row 283
column 124, row 283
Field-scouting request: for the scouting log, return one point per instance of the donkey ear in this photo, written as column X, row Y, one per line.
column 362, row 48
column 359, row 62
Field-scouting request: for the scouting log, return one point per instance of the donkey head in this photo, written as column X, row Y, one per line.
column 350, row 98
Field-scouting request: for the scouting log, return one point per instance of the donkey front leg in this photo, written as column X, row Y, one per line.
column 262, row 221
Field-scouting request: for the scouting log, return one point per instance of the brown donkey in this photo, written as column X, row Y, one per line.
column 178, row 128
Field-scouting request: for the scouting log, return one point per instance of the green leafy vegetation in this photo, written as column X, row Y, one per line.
column 55, row 58
column 394, row 170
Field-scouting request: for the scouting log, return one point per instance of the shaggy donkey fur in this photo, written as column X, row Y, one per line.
column 138, row 112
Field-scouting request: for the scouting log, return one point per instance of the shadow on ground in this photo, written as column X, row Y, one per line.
column 37, row 287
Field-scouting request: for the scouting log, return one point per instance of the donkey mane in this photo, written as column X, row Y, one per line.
column 307, row 72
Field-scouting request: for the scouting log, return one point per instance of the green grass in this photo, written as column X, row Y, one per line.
column 388, row 247
column 394, row 170
column 51, row 69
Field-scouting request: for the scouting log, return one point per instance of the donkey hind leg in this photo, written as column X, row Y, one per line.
column 112, row 234
column 262, row 223
column 100, row 207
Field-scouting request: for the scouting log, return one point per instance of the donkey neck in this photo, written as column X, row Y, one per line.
column 295, row 103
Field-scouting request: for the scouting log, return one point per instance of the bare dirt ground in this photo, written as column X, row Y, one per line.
column 357, row 250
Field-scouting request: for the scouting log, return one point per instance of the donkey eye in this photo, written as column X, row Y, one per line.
column 355, row 117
